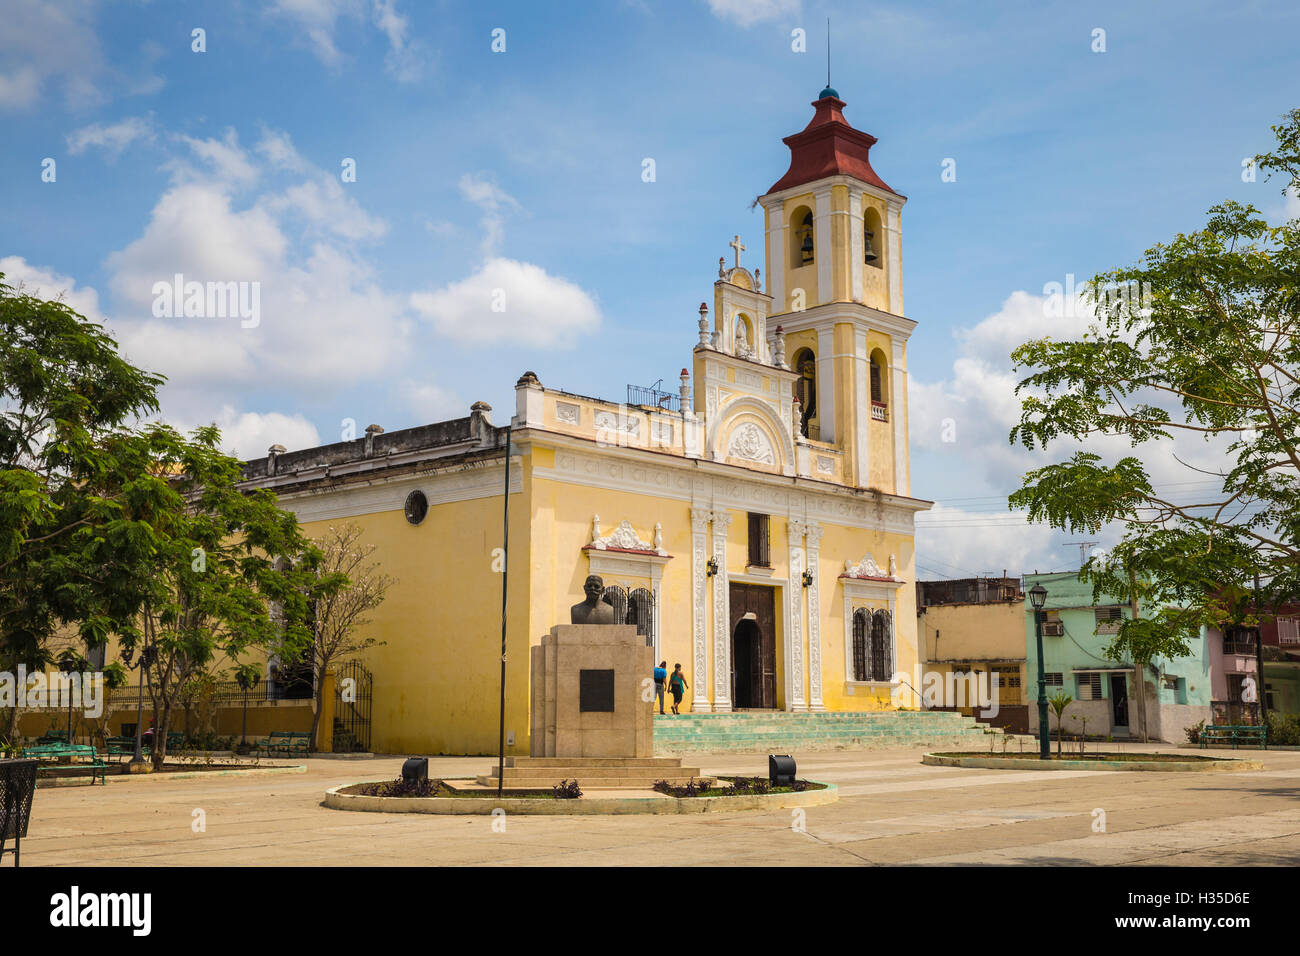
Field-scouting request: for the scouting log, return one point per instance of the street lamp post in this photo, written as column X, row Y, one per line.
column 1038, row 597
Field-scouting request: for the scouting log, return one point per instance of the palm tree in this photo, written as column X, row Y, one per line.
column 1058, row 702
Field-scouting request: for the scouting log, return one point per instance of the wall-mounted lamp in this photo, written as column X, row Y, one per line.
column 712, row 567
column 807, row 579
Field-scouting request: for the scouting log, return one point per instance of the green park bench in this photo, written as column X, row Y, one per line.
column 1234, row 734
column 74, row 752
column 285, row 741
column 120, row 747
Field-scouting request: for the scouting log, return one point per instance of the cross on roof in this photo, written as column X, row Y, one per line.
column 739, row 247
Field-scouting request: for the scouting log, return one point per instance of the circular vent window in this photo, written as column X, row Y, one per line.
column 417, row 506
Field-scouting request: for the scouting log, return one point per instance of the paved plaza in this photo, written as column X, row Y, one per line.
column 892, row 810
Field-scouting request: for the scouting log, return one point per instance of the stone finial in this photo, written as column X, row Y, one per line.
column 659, row 538
column 796, row 418
column 272, row 453
column 704, row 325
column 371, row 432
column 722, row 267
column 779, row 348
column 684, row 391
column 758, row 280
column 595, row 528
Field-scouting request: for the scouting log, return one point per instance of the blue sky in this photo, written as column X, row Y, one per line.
column 476, row 168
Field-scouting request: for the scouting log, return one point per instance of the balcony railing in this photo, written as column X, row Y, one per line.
column 1230, row 647
column 879, row 411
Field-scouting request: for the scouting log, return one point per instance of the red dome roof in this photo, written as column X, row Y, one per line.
column 829, row 146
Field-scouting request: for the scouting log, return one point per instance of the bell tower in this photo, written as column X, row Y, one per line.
column 834, row 273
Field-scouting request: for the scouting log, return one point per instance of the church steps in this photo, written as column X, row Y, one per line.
column 776, row 731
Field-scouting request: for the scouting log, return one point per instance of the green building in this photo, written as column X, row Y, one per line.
column 1076, row 632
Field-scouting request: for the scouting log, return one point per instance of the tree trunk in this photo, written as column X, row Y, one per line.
column 160, row 736
column 1139, row 667
column 317, row 693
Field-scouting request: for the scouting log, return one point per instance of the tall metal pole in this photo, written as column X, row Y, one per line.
column 505, row 568
column 1044, row 747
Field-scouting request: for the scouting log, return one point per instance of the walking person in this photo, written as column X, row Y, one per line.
column 661, row 675
column 677, row 686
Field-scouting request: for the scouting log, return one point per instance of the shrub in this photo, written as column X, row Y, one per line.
column 1194, row 732
column 1283, row 729
column 400, row 788
column 567, row 790
column 691, row 788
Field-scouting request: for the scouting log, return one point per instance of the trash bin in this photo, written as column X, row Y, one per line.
column 17, row 787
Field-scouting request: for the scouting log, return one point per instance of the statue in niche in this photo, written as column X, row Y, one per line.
column 593, row 610
column 806, row 389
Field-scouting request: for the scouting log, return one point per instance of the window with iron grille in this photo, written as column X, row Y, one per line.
column 1107, row 614
column 860, row 628
column 1008, row 676
column 759, row 549
column 881, row 650
column 636, row 607
column 1054, row 680
column 1089, row 686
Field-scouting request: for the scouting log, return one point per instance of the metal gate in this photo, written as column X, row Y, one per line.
column 352, row 690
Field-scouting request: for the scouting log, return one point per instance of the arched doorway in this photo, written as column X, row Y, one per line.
column 753, row 647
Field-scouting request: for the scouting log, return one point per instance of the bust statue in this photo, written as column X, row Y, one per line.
column 593, row 610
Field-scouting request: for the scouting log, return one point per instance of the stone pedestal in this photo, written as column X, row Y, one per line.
column 587, row 693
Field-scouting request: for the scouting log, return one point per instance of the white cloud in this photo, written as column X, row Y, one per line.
column 748, row 12
column 224, row 159
column 494, row 201
column 113, row 139
column 319, row 20
column 43, row 45
column 961, row 423
column 431, row 403
column 249, row 434
column 532, row 307
column 44, row 283
column 324, row 319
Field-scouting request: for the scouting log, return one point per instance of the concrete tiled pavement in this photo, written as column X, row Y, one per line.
column 892, row 810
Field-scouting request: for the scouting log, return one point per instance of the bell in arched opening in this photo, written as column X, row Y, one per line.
column 806, row 248
column 870, row 254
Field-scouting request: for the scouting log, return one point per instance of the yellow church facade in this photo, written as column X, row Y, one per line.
column 756, row 526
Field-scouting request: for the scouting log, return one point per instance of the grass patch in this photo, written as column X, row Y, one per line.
column 1107, row 757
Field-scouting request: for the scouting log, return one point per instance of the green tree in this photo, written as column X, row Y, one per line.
column 1201, row 341
column 64, row 391
column 229, row 570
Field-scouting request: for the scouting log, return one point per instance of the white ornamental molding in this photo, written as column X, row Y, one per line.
column 794, row 647
column 699, row 578
column 568, row 413
column 867, row 568
column 721, row 616
column 625, row 538
column 813, row 533
column 750, row 444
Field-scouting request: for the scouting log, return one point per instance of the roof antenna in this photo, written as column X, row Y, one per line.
column 828, row 53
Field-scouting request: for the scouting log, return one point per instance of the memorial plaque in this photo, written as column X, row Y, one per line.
column 596, row 691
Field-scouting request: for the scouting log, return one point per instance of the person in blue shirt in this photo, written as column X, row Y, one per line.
column 661, row 677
